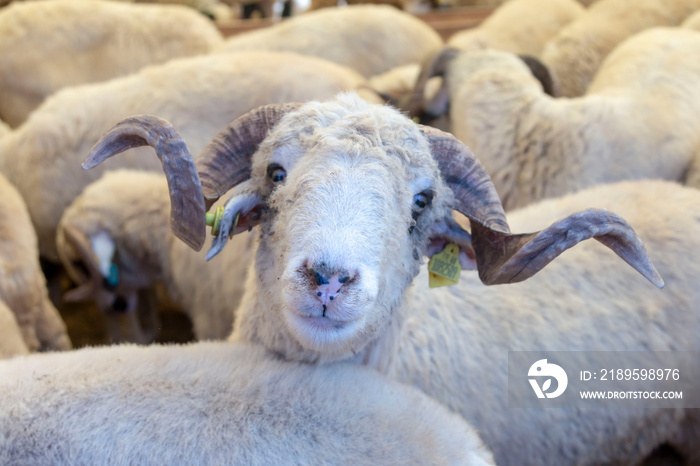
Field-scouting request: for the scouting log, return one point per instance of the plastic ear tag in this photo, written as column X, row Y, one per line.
column 214, row 220
column 444, row 268
column 113, row 278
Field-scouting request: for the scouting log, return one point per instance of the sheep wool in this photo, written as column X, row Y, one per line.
column 22, row 283
column 519, row 26
column 370, row 39
column 218, row 403
column 578, row 50
column 48, row 45
column 536, row 147
column 132, row 210
column 201, row 95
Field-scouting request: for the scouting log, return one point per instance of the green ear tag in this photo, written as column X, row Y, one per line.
column 444, row 268
column 113, row 278
column 214, row 220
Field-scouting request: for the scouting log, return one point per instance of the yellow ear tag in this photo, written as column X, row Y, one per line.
column 444, row 268
column 214, row 220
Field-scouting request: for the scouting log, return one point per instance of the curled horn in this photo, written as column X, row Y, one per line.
column 502, row 257
column 226, row 160
column 436, row 65
column 187, row 211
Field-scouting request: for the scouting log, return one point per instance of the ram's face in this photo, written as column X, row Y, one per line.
column 345, row 230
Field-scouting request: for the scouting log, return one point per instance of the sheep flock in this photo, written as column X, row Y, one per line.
column 353, row 232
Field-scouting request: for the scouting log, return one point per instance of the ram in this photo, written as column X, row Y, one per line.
column 117, row 229
column 370, row 39
column 218, row 403
column 199, row 94
column 48, row 45
column 519, row 26
column 349, row 196
column 535, row 147
column 22, row 283
column 578, row 50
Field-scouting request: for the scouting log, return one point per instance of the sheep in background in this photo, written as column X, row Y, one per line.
column 370, row 39
column 200, row 94
column 11, row 342
column 575, row 54
column 536, row 147
column 22, row 283
column 519, row 26
column 349, row 197
column 218, row 403
column 120, row 222
column 49, row 45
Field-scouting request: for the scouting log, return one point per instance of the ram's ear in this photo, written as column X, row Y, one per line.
column 543, row 74
column 446, row 231
column 242, row 211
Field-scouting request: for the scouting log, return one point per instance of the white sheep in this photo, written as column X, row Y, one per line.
column 119, row 223
column 199, row 94
column 519, row 26
column 218, row 403
column 349, row 196
column 370, row 39
column 638, row 120
column 578, row 50
column 49, row 45
column 11, row 341
column 22, row 283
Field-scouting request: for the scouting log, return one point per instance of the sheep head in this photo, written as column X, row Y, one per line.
column 456, row 66
column 349, row 197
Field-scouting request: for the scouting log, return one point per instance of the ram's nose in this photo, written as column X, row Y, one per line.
column 329, row 283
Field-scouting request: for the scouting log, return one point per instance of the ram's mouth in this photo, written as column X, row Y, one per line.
column 317, row 332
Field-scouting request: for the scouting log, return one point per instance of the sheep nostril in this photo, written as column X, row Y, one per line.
column 320, row 279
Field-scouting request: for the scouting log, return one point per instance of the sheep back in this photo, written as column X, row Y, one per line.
column 370, row 39
column 217, row 403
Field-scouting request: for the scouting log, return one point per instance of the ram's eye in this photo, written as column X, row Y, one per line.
column 276, row 173
column 421, row 201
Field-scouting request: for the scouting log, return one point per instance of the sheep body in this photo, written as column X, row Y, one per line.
column 200, row 95
column 218, row 403
column 536, row 147
column 519, row 26
column 132, row 208
column 370, row 39
column 22, row 283
column 48, row 45
column 577, row 51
